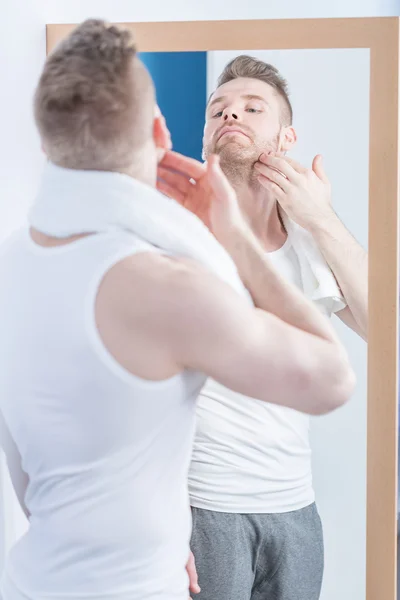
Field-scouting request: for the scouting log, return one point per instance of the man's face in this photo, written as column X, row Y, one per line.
column 242, row 121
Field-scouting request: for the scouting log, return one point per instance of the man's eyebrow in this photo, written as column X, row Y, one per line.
column 216, row 100
column 245, row 96
column 255, row 97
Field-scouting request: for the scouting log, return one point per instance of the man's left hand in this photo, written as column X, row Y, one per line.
column 304, row 194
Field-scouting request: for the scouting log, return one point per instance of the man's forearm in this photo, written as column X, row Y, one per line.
column 349, row 263
column 272, row 293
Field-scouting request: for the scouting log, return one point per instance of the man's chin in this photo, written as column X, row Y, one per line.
column 233, row 142
column 237, row 153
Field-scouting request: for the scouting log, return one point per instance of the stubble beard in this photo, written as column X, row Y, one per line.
column 237, row 161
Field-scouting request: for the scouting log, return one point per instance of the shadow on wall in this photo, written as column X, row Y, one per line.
column 181, row 86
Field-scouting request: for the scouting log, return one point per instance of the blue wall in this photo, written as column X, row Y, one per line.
column 181, row 86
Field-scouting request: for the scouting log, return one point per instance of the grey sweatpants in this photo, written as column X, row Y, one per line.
column 258, row 556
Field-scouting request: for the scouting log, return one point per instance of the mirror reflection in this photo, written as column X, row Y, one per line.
column 262, row 477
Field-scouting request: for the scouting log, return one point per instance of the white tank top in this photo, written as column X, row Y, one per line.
column 107, row 453
column 250, row 456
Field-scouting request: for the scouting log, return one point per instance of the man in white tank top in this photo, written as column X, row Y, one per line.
column 106, row 342
column 257, row 533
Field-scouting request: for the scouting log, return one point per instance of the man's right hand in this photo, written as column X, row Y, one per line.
column 194, row 587
column 205, row 191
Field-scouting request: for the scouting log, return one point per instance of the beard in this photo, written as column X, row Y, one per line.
column 237, row 159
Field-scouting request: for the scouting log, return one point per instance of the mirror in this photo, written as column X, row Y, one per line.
column 330, row 101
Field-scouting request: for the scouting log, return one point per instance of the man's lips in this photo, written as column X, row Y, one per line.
column 231, row 130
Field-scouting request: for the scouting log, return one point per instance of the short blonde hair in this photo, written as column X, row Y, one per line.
column 94, row 104
column 248, row 66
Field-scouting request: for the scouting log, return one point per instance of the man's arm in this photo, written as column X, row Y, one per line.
column 305, row 195
column 18, row 476
column 182, row 316
column 349, row 263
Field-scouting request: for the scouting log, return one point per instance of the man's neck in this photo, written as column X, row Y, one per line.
column 261, row 213
column 144, row 167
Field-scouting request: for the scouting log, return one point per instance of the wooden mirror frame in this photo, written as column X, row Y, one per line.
column 381, row 37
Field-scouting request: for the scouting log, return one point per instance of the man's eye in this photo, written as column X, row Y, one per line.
column 218, row 114
column 253, row 110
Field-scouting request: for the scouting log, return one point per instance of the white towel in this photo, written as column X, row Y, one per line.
column 71, row 202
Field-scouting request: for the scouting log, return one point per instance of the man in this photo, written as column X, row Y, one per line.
column 106, row 341
column 256, row 530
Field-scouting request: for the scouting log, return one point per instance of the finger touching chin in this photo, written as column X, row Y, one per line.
column 269, row 185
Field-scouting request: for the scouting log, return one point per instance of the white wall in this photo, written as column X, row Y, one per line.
column 65, row 11
column 22, row 51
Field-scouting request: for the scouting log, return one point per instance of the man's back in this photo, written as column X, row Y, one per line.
column 106, row 453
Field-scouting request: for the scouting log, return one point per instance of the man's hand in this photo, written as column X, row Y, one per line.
column 304, row 194
column 185, row 180
column 194, row 587
column 205, row 191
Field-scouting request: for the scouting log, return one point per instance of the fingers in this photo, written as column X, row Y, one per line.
column 176, row 180
column 295, row 165
column 218, row 181
column 287, row 166
column 317, row 167
column 276, row 191
column 172, row 192
column 189, row 167
column 192, row 572
column 268, row 173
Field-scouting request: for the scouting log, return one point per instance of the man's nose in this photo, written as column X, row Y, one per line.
column 230, row 114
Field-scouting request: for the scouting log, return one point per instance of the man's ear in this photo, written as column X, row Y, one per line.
column 161, row 134
column 287, row 139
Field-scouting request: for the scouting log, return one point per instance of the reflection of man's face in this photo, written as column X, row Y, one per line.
column 242, row 121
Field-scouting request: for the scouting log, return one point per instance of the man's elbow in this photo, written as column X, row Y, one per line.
column 336, row 390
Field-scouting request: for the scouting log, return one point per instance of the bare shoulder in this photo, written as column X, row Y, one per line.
column 170, row 295
column 153, row 278
column 151, row 306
